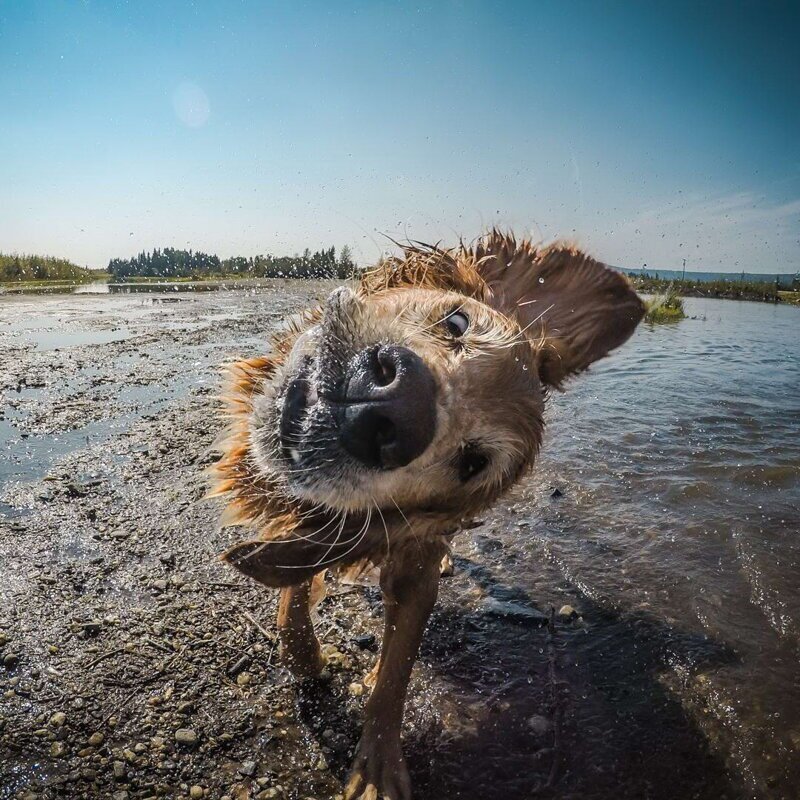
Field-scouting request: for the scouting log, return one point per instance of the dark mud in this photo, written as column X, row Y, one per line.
column 136, row 665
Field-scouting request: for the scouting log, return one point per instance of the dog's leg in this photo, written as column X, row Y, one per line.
column 299, row 646
column 410, row 583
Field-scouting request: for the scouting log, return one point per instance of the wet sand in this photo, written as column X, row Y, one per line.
column 136, row 665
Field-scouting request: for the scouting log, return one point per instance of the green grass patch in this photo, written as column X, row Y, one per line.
column 666, row 307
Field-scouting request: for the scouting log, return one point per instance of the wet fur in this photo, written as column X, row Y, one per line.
column 546, row 314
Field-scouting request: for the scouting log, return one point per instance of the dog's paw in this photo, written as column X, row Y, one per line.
column 379, row 770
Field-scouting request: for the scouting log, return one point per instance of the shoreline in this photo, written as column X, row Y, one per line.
column 719, row 290
column 134, row 664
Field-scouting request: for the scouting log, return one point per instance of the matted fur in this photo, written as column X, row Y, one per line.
column 525, row 282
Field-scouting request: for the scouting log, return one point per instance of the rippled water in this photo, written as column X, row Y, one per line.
column 678, row 536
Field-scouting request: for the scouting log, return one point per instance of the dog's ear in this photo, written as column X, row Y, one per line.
column 298, row 555
column 573, row 309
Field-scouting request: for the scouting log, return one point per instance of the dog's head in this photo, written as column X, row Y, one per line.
column 421, row 390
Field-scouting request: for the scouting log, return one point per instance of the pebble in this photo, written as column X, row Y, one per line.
column 567, row 612
column 57, row 749
column 366, row 641
column 119, row 769
column 248, row 769
column 356, row 689
column 244, row 678
column 514, row 612
column 92, row 627
column 96, row 739
column 539, row 724
column 186, row 736
column 196, row 792
column 10, row 660
column 58, row 719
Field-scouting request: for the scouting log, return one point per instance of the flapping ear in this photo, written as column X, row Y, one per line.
column 574, row 309
column 298, row 555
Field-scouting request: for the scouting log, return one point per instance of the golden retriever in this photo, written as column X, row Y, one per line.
column 385, row 418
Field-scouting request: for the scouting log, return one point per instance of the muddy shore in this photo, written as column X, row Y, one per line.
column 133, row 664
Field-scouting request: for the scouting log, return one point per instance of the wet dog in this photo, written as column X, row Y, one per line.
column 384, row 419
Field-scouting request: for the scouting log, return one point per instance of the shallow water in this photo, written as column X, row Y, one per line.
column 679, row 463
column 675, row 538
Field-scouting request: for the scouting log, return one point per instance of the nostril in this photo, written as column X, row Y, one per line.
column 385, row 368
column 385, row 432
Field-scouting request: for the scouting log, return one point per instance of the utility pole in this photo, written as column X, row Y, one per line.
column 683, row 278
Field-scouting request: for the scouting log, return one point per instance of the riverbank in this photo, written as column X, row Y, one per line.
column 133, row 664
column 765, row 292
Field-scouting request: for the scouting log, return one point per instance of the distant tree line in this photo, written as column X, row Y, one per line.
column 172, row 263
column 39, row 268
column 733, row 290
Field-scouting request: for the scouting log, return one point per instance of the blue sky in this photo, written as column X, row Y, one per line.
column 646, row 134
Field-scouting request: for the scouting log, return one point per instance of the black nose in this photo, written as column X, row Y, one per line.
column 389, row 414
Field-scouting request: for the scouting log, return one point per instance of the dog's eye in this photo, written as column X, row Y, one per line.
column 472, row 462
column 456, row 323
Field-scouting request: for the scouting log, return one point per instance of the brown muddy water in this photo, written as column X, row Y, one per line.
column 673, row 534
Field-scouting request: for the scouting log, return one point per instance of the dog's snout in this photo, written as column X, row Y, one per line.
column 389, row 414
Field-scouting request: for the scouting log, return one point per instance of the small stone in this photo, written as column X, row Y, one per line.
column 86, row 752
column 539, row 725
column 10, row 660
column 57, row 749
column 92, row 627
column 366, row 641
column 556, row 493
column 58, row 719
column 356, row 689
column 185, row 707
column 129, row 755
column 567, row 612
column 121, row 795
column 248, row 769
column 196, row 792
column 244, row 679
column 119, row 769
column 96, row 739
column 186, row 737
column 516, row 612
column 159, row 585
